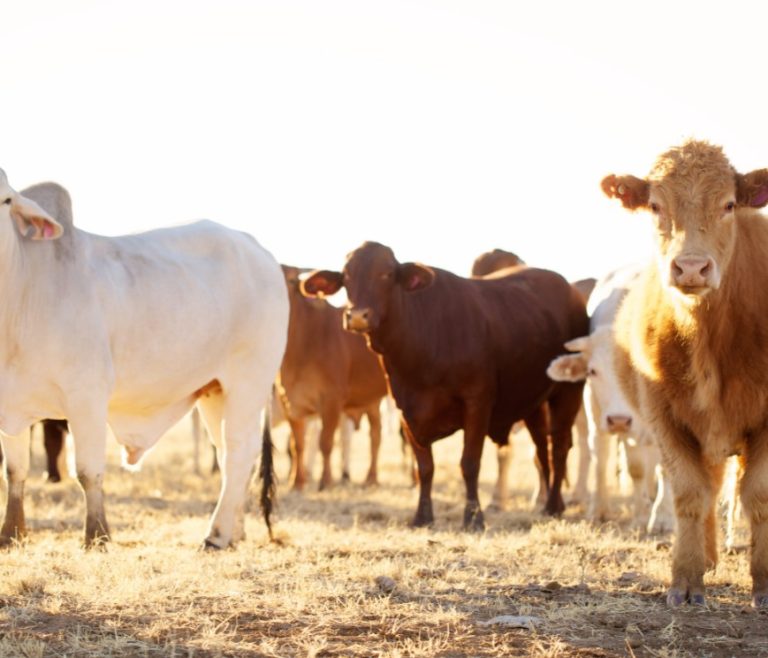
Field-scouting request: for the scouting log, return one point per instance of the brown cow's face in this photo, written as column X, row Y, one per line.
column 693, row 193
column 372, row 276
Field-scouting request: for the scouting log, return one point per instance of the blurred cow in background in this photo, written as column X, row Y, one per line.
column 488, row 263
column 326, row 371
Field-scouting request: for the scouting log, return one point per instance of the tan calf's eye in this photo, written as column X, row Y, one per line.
column 655, row 208
column 7, row 202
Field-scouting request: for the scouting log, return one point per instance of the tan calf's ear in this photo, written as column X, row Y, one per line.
column 630, row 190
column 32, row 221
column 752, row 188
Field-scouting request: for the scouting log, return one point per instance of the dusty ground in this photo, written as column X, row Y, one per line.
column 350, row 578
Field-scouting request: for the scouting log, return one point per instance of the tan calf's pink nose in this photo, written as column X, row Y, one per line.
column 691, row 271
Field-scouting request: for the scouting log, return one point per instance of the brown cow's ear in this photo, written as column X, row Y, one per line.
column 752, row 188
column 412, row 276
column 321, row 283
column 630, row 190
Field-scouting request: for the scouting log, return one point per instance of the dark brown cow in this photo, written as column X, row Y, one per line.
column 326, row 371
column 467, row 354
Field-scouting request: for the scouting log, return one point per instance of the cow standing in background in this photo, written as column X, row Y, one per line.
column 692, row 353
column 132, row 331
column 466, row 354
column 326, row 371
column 491, row 262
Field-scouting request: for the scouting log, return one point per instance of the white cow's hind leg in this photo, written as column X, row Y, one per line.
column 15, row 470
column 501, row 490
column 581, row 488
column 241, row 442
column 89, row 432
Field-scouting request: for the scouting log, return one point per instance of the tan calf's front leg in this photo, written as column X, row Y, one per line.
column 16, row 468
column 754, row 500
column 694, row 488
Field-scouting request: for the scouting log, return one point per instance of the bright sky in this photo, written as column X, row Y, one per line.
column 441, row 128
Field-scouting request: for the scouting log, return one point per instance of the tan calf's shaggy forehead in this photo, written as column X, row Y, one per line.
column 691, row 165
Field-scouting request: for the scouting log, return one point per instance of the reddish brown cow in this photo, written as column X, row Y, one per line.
column 467, row 354
column 692, row 353
column 495, row 260
column 326, row 371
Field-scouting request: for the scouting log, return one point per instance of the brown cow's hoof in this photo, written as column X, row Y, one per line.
column 474, row 521
column 424, row 516
column 554, row 507
column 98, row 543
column 8, row 542
column 760, row 601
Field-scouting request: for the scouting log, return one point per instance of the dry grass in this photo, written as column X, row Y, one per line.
column 349, row 579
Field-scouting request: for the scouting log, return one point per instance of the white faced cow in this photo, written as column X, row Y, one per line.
column 608, row 411
column 131, row 332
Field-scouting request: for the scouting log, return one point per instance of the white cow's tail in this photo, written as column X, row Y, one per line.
column 267, row 473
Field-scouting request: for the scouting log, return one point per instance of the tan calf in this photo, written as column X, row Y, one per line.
column 692, row 340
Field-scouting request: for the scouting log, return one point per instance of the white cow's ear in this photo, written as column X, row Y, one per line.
column 32, row 221
column 568, row 368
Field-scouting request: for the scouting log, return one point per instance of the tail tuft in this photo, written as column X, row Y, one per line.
column 267, row 474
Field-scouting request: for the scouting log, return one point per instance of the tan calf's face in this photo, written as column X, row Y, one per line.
column 693, row 193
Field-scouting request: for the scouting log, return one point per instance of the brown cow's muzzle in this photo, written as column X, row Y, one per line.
column 694, row 274
column 357, row 319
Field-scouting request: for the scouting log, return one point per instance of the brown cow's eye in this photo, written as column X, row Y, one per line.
column 655, row 208
column 591, row 372
column 730, row 206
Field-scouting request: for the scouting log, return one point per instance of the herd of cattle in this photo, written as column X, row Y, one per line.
column 674, row 354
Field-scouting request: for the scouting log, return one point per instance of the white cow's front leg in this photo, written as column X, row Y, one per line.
column 16, row 468
column 600, row 446
column 89, row 434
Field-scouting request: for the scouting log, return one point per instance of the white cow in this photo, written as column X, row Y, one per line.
column 608, row 412
column 132, row 332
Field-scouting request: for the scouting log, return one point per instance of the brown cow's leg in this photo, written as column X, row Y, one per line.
column 298, row 469
column 754, row 500
column 53, row 440
column 475, row 427
column 330, row 418
column 538, row 427
column 426, row 466
column 564, row 405
column 374, row 422
column 16, row 451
